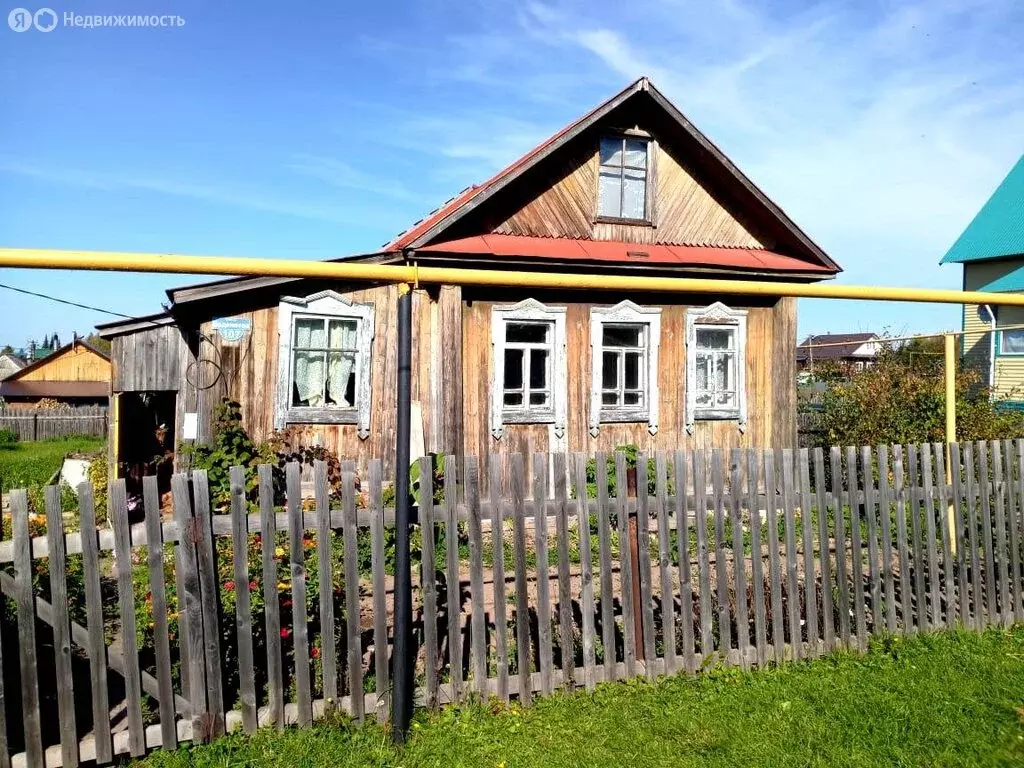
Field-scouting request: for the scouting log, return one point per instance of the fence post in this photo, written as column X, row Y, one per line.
column 35, row 427
column 634, row 564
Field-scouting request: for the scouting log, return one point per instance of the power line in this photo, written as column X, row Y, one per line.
column 65, row 301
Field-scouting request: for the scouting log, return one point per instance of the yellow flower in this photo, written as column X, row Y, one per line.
column 283, row 585
column 279, row 551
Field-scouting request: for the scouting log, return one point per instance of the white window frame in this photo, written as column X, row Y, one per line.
column 716, row 315
column 528, row 310
column 329, row 305
column 624, row 313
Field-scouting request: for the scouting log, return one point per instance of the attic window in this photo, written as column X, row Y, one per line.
column 622, row 178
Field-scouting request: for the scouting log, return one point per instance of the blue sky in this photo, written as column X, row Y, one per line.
column 314, row 130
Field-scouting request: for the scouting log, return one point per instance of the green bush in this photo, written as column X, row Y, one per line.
column 632, row 453
column 8, row 438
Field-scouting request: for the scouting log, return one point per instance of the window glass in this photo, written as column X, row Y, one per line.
column 610, row 193
column 513, row 368
column 622, row 178
column 633, row 360
column 621, row 335
column 526, row 333
column 634, row 191
column 1012, row 342
column 714, row 338
column 624, row 356
column 325, row 360
column 538, row 368
column 527, row 360
column 611, row 151
column 636, row 153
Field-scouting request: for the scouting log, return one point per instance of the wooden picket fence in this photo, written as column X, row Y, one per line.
column 743, row 558
column 31, row 424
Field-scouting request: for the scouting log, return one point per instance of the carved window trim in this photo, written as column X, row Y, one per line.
column 528, row 310
column 329, row 305
column 717, row 314
column 624, row 313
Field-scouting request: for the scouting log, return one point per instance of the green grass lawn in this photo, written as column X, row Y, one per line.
column 33, row 463
column 935, row 700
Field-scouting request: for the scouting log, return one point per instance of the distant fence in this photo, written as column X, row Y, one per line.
column 269, row 612
column 31, row 425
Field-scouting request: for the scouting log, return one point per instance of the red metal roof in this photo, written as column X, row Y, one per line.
column 625, row 253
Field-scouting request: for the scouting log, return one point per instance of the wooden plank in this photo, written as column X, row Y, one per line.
column 522, row 620
column 353, row 622
column 625, row 567
column 871, row 512
column 96, row 644
column 126, row 603
column 453, row 582
column 838, row 497
column 807, row 520
column 856, row 550
column 1015, row 457
column 935, row 612
column 428, row 578
column 209, row 586
column 948, row 588
column 271, row 600
column 478, row 619
column 189, row 608
column 498, row 570
column 26, row 611
column 739, row 558
column 380, row 611
column 885, row 512
column 828, row 620
column 158, row 592
column 774, row 565
column 971, row 510
column 604, row 548
column 985, row 492
column 540, row 524
column 5, row 753
column 61, row 627
column 917, row 547
column 1002, row 566
column 757, row 559
column 700, row 514
column 685, row 569
column 668, row 599
column 905, row 598
column 721, row 556
column 586, row 572
column 243, row 612
column 643, row 536
column 297, row 570
column 792, row 586
column 565, row 629
column 325, row 573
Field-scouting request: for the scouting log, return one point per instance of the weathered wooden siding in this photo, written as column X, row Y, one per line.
column 686, row 210
column 1009, row 372
column 147, row 361
column 770, row 370
column 79, row 363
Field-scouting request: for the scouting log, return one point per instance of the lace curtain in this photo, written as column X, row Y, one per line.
column 325, row 361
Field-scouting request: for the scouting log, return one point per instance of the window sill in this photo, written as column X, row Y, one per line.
column 625, row 417
column 621, row 220
column 710, row 415
column 322, row 416
column 528, row 417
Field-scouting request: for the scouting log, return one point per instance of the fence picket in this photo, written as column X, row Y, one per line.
column 871, row 511
column 757, row 559
column 296, row 561
column 353, row 623
column 1002, row 566
column 381, row 667
column 739, row 560
column 565, row 631
column 189, row 608
column 586, row 572
column 428, row 578
column 905, row 599
column 24, row 598
column 540, row 528
column 625, row 567
column 126, row 603
column 700, row 515
column 828, row 621
column 61, row 627
column 930, row 534
column 453, row 581
column 325, row 574
column 498, row 575
column 5, row 753
column 685, row 568
column 917, row 544
column 478, row 618
column 271, row 599
column 243, row 617
column 721, row 558
column 643, row 536
column 856, row 550
column 991, row 609
column 946, row 532
column 157, row 589
column 1016, row 515
column 807, row 521
column 792, row 590
column 885, row 498
column 838, row 497
column 97, row 647
column 962, row 556
column 668, row 600
column 977, row 599
column 604, row 535
column 209, row 586
column 522, row 620
column 774, row 564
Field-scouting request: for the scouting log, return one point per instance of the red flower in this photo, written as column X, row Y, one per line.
column 229, row 585
column 253, row 584
column 315, row 653
column 285, row 632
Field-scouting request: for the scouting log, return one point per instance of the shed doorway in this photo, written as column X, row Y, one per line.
column 146, row 434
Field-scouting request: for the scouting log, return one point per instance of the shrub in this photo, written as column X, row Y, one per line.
column 8, row 438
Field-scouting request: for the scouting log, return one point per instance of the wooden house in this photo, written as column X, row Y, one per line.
column 991, row 250
column 75, row 374
column 848, row 352
column 632, row 187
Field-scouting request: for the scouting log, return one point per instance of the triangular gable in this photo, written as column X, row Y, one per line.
column 998, row 228
column 479, row 208
column 54, row 356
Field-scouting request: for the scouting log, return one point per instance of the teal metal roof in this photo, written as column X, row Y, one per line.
column 1008, row 283
column 998, row 229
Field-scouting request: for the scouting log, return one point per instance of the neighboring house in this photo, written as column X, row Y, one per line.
column 991, row 251
column 76, row 374
column 849, row 351
column 9, row 363
column 630, row 188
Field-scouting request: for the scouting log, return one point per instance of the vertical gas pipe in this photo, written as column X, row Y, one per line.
column 950, row 377
column 401, row 700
